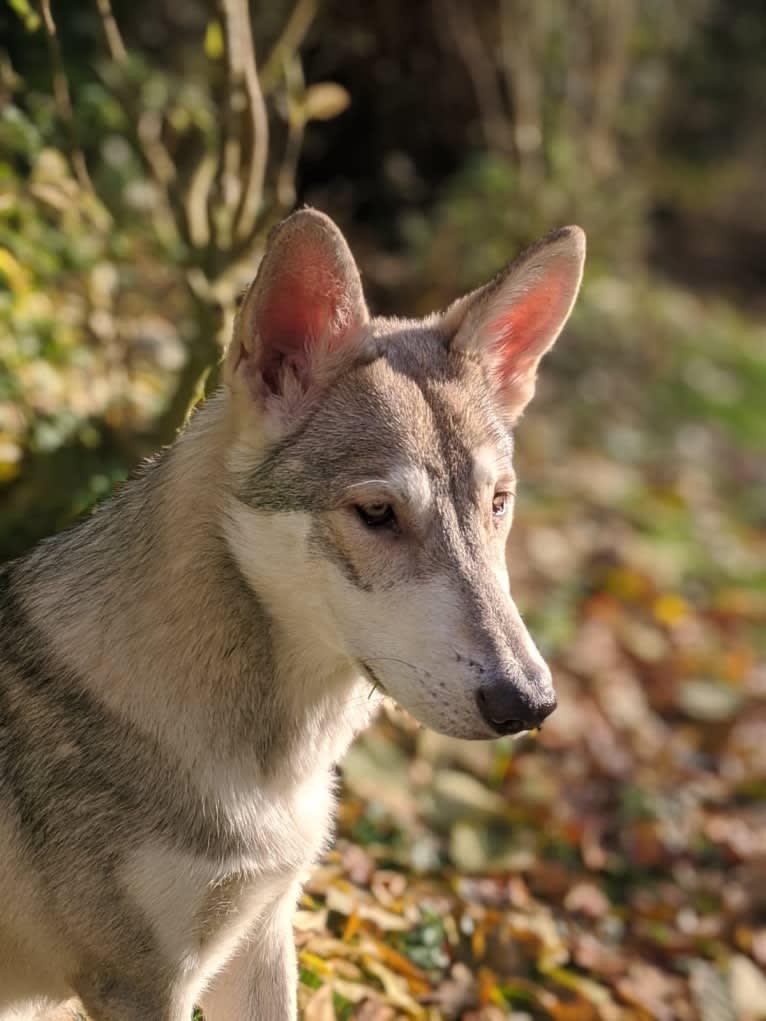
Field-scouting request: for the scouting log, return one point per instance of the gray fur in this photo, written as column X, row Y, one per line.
column 180, row 673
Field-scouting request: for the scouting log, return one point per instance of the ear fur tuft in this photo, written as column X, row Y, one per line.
column 515, row 319
column 304, row 308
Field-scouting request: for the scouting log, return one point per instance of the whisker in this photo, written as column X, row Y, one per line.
column 360, row 700
column 403, row 662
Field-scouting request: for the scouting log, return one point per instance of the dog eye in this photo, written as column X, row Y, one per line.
column 376, row 515
column 500, row 503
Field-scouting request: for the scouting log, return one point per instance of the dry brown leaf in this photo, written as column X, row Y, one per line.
column 487, row 984
column 374, row 1010
column 310, row 921
column 329, row 946
column 590, row 995
column 456, row 993
column 593, row 955
column 321, row 877
column 647, row 987
column 352, row 925
column 313, row 963
column 388, row 887
column 580, row 1010
column 394, row 986
column 759, row 946
column 401, row 964
column 320, row 1006
column 347, row 900
column 356, row 992
column 587, row 899
column 541, row 931
column 358, row 864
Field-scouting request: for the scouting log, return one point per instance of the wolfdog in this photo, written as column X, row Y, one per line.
column 180, row 672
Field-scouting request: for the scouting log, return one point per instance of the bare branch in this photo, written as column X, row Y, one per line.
column 524, row 26
column 149, row 133
column 288, row 43
column 479, row 64
column 225, row 189
column 616, row 26
column 246, row 93
column 288, row 166
column 63, row 99
column 296, row 128
column 196, row 201
column 112, row 32
column 148, row 130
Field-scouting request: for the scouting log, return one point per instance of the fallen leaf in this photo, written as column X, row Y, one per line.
column 374, row 1010
column 325, row 100
column 320, row 1006
column 748, row 988
column 587, row 899
column 398, row 962
column 310, row 921
column 394, row 986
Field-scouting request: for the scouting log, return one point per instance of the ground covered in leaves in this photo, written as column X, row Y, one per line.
column 613, row 866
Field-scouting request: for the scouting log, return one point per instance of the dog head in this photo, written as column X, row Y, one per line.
column 374, row 485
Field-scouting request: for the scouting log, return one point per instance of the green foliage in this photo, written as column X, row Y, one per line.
column 132, row 214
column 93, row 308
column 425, row 944
column 25, row 11
column 308, row 978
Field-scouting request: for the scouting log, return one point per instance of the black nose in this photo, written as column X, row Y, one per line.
column 509, row 709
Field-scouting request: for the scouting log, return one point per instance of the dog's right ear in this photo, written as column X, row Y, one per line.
column 304, row 312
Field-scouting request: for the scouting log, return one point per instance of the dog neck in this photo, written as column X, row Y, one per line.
column 155, row 616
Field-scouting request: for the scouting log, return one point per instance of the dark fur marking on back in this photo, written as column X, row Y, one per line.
column 67, row 791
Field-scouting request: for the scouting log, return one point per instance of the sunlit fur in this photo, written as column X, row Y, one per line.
column 180, row 673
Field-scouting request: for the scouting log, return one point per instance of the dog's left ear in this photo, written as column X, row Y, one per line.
column 303, row 312
column 514, row 320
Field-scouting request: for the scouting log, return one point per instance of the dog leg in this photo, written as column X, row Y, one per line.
column 259, row 983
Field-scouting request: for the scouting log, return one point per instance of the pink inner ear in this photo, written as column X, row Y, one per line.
column 289, row 322
column 527, row 327
column 305, row 305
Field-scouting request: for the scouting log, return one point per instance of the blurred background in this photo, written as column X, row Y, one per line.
column 613, row 867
